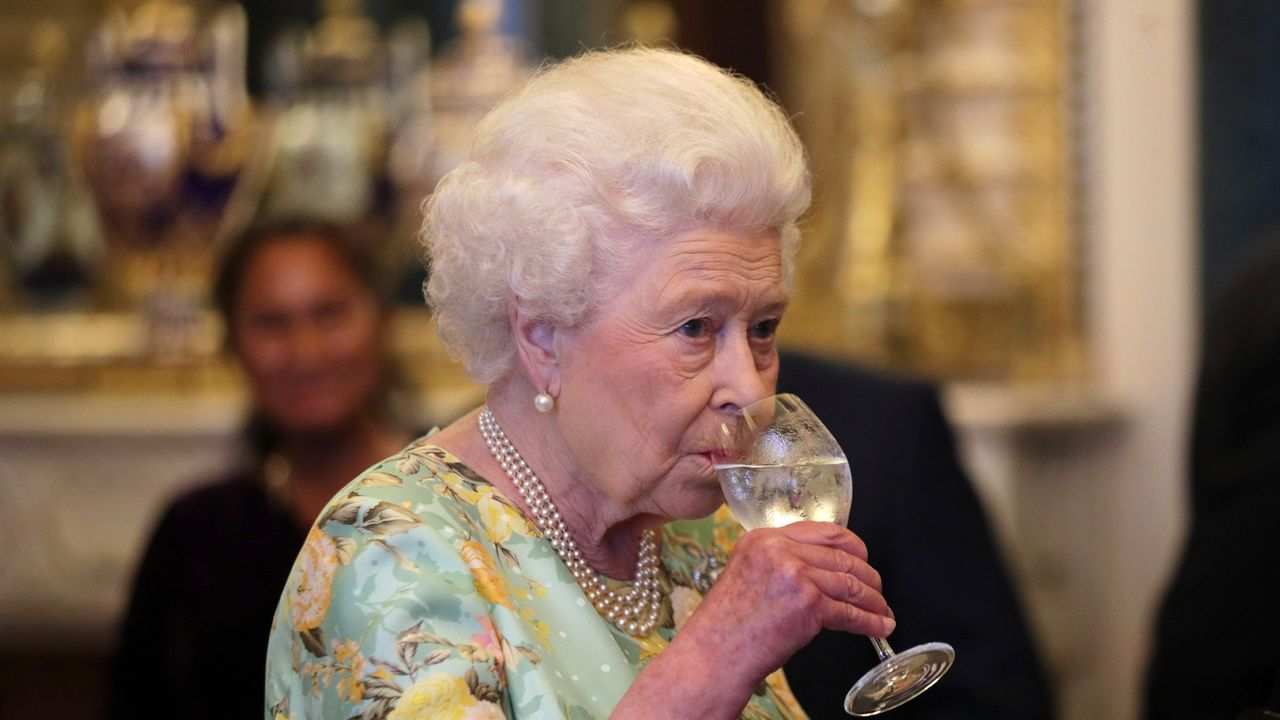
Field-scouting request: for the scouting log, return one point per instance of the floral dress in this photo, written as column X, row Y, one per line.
column 423, row 592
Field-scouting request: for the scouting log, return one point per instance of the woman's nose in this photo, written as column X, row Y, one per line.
column 307, row 344
column 739, row 382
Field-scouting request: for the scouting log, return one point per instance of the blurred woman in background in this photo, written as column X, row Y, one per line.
column 306, row 322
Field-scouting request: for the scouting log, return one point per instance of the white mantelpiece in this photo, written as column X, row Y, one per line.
column 82, row 479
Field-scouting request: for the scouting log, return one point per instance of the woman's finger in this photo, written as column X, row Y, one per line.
column 846, row 588
column 828, row 534
column 839, row 561
column 853, row 619
column 785, row 566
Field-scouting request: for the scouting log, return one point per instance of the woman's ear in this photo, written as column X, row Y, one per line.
column 536, row 347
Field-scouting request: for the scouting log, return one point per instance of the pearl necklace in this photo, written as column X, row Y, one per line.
column 634, row 610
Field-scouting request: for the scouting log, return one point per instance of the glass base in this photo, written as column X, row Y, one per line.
column 898, row 679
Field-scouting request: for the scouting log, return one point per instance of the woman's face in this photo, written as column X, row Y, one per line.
column 643, row 387
column 309, row 335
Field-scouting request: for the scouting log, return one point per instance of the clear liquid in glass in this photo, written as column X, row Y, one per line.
column 775, row 495
column 788, row 467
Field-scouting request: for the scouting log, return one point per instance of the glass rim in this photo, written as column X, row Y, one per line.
column 789, row 401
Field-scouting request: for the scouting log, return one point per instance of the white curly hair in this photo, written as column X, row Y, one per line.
column 591, row 160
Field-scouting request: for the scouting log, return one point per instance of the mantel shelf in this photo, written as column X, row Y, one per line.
column 192, row 415
column 1018, row 408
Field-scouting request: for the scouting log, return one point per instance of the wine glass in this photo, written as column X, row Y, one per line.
column 779, row 464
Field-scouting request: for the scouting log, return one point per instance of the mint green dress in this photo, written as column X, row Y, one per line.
column 423, row 592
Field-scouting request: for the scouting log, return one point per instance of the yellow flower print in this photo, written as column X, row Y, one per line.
column 726, row 529
column 351, row 689
column 353, row 666
column 683, row 602
column 347, row 650
column 454, row 483
column 541, row 631
column 783, row 698
column 309, row 596
column 484, row 572
column 651, row 646
column 438, row 696
column 499, row 518
column 485, row 710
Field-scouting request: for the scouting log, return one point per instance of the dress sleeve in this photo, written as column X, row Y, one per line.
column 388, row 614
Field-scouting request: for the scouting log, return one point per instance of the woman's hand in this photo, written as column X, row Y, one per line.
column 780, row 587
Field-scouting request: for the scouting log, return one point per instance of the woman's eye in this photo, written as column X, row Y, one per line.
column 267, row 322
column 696, row 328
column 330, row 314
column 764, row 330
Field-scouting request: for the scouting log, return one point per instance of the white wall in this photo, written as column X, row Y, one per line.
column 1087, row 484
column 1140, row 55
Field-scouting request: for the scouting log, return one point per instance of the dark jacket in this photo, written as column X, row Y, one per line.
column 1217, row 642
column 194, row 637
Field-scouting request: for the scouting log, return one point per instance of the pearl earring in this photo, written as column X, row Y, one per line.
column 542, row 402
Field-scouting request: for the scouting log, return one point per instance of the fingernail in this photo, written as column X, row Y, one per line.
column 889, row 625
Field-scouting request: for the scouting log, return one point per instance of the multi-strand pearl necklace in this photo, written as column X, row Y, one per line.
column 634, row 610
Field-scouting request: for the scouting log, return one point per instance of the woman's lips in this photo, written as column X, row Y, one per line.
column 721, row 456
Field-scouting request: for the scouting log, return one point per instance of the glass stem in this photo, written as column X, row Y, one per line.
column 882, row 648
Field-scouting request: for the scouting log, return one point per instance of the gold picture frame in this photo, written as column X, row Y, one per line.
column 942, row 135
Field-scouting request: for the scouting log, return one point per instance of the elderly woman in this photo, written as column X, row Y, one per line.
column 613, row 261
